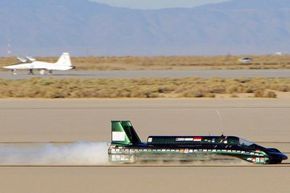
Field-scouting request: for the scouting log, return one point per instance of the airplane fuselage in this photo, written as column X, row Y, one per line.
column 63, row 63
column 38, row 66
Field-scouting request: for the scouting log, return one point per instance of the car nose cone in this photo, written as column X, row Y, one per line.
column 284, row 157
column 281, row 156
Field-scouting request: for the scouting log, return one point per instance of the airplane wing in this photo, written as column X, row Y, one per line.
column 22, row 60
column 30, row 59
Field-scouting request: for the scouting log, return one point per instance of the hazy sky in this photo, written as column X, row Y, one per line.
column 156, row 4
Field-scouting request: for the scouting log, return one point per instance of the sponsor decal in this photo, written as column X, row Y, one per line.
column 118, row 136
column 184, row 139
column 197, row 138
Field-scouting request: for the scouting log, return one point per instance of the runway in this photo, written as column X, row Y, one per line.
column 63, row 121
column 287, row 165
column 202, row 73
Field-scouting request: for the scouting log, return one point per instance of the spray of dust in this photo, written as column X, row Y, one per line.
column 79, row 153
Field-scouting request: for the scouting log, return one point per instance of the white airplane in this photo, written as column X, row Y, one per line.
column 30, row 64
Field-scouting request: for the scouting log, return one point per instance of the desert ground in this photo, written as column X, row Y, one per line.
column 36, row 120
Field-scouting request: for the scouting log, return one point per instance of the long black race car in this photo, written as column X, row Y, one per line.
column 126, row 147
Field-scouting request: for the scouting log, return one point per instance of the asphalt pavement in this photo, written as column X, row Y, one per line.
column 152, row 74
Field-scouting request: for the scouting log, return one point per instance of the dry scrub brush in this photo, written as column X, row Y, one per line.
column 141, row 88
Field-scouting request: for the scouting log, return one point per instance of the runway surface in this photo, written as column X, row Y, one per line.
column 153, row 74
column 264, row 120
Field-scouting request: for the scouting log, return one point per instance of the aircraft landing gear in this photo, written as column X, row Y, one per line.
column 13, row 71
column 42, row 72
column 30, row 72
column 50, row 71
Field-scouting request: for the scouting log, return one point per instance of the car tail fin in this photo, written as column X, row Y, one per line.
column 64, row 60
column 123, row 133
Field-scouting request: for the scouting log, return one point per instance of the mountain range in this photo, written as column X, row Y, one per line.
column 82, row 27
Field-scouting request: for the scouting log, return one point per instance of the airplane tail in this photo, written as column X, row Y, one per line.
column 123, row 133
column 64, row 60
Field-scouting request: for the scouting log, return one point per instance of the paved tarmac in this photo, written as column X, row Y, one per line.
column 153, row 74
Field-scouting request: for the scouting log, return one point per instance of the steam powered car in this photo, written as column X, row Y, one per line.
column 126, row 147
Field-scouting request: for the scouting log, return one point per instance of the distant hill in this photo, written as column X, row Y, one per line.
column 42, row 27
